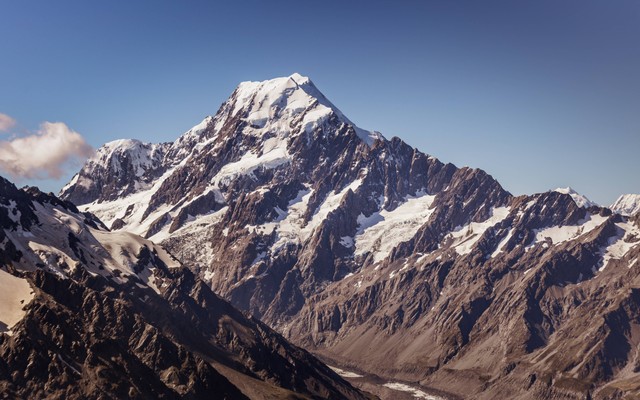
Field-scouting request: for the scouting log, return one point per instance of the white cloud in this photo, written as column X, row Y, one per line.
column 6, row 122
column 44, row 154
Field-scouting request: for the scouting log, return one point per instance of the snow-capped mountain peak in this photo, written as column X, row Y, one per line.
column 627, row 204
column 141, row 155
column 129, row 162
column 580, row 199
column 287, row 99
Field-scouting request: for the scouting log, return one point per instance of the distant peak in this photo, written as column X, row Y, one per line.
column 286, row 98
column 580, row 199
column 565, row 190
column 627, row 204
column 299, row 79
column 121, row 143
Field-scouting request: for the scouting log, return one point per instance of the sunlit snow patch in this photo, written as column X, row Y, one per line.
column 345, row 374
column 417, row 393
column 561, row 234
column 15, row 293
column 619, row 245
column 380, row 232
column 465, row 237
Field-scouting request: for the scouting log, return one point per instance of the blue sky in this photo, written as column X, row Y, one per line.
column 540, row 94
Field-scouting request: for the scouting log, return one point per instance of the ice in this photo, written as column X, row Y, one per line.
column 503, row 243
column 464, row 238
column 331, row 202
column 48, row 243
column 628, row 237
column 345, row 374
column 346, row 241
column 284, row 98
column 274, row 154
column 290, row 228
column 14, row 213
column 417, row 393
column 561, row 234
column 627, row 204
column 110, row 210
column 123, row 247
column 315, row 118
column 141, row 155
column 380, row 232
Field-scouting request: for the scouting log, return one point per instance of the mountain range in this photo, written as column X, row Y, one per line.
column 363, row 250
column 88, row 313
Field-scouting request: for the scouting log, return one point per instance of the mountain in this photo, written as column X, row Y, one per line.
column 627, row 204
column 379, row 257
column 580, row 199
column 86, row 313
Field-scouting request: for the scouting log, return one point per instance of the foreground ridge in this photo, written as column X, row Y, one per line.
column 89, row 313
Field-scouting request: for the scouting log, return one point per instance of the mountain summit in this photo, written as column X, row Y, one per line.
column 580, row 199
column 627, row 204
column 372, row 253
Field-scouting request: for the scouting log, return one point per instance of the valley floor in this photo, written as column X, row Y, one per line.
column 387, row 389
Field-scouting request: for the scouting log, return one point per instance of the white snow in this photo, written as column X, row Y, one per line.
column 13, row 212
column 382, row 231
column 275, row 110
column 110, row 210
column 208, row 275
column 122, row 249
column 619, row 245
column 561, row 234
column 274, row 154
column 627, row 204
column 290, row 228
column 15, row 294
column 72, row 182
column 141, row 155
column 503, row 243
column 346, row 241
column 196, row 227
column 265, row 103
column 315, row 118
column 579, row 199
column 48, row 243
column 417, row 393
column 331, row 202
column 345, row 374
column 464, row 238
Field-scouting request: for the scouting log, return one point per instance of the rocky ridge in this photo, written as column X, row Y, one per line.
column 373, row 253
column 112, row 315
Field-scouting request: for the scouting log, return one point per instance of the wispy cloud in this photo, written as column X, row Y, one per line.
column 6, row 122
column 43, row 154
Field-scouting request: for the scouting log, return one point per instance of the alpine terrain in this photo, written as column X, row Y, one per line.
column 88, row 313
column 364, row 250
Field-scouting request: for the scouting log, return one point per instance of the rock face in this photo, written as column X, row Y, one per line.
column 112, row 315
column 376, row 255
